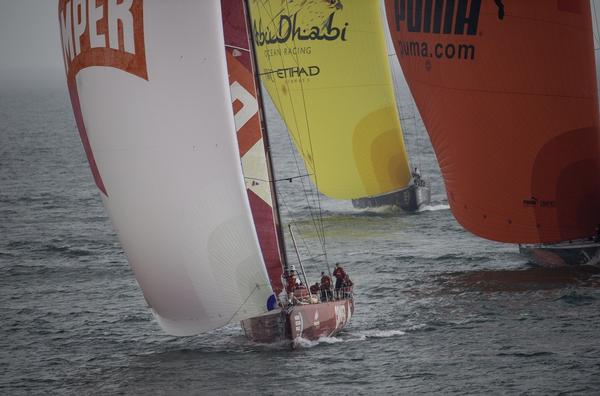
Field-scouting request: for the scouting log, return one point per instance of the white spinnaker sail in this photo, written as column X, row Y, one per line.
column 167, row 155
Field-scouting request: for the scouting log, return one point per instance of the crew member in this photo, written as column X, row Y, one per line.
column 347, row 285
column 339, row 274
column 314, row 289
column 291, row 282
column 326, row 294
column 417, row 178
column 301, row 294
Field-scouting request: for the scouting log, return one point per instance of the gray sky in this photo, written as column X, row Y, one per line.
column 30, row 41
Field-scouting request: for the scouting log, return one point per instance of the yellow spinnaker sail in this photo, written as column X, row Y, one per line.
column 324, row 65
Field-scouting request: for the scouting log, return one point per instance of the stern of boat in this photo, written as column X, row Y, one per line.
column 562, row 254
column 267, row 328
column 410, row 199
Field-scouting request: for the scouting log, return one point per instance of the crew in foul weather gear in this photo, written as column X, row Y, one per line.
column 326, row 293
column 339, row 274
column 347, row 286
column 314, row 289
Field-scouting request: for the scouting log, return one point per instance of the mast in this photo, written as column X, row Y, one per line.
column 263, row 125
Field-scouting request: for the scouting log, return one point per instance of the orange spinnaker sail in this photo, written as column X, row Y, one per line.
column 507, row 91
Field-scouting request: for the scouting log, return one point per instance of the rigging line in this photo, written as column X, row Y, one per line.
column 279, row 179
column 596, row 19
column 397, row 100
column 295, row 159
column 304, row 242
column 295, row 118
column 296, row 57
column 296, row 121
column 299, row 143
column 255, row 288
column 315, row 175
column 312, row 151
column 416, row 130
column 314, row 257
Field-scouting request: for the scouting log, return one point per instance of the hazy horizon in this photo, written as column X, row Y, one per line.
column 30, row 45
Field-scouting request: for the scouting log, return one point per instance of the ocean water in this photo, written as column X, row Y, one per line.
column 438, row 310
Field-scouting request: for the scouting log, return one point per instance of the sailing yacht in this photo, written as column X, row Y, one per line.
column 165, row 100
column 325, row 67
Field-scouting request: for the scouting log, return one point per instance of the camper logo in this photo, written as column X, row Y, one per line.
column 100, row 33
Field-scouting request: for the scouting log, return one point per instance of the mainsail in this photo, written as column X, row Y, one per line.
column 507, row 91
column 324, row 65
column 153, row 106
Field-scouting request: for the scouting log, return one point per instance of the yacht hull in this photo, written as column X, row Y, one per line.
column 309, row 321
column 410, row 199
column 563, row 254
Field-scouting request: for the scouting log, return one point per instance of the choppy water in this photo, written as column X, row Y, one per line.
column 437, row 309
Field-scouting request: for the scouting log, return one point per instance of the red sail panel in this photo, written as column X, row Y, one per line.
column 507, row 92
column 250, row 139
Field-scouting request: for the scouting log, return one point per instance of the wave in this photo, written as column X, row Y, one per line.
column 526, row 354
column 64, row 250
column 379, row 333
column 7, row 254
column 378, row 210
column 420, row 327
column 434, row 208
column 305, row 343
column 351, row 337
column 574, row 298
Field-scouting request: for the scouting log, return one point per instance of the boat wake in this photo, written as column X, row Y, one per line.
column 305, row 343
column 350, row 337
column 364, row 335
column 378, row 210
column 434, row 208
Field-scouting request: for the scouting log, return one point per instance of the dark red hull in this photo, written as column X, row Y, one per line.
column 310, row 321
